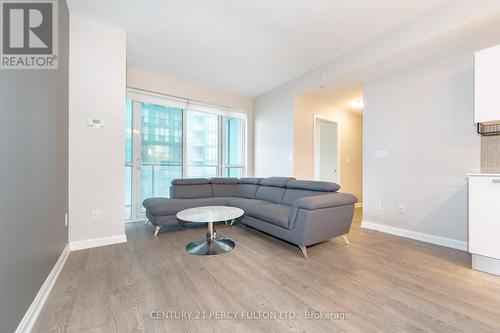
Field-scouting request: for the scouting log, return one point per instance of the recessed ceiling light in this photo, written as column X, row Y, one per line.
column 357, row 103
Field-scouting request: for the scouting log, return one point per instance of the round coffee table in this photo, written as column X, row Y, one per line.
column 210, row 214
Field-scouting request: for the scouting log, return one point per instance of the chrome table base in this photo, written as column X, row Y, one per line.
column 208, row 247
column 211, row 245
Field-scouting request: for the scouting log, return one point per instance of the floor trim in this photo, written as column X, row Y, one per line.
column 96, row 242
column 486, row 264
column 36, row 306
column 437, row 240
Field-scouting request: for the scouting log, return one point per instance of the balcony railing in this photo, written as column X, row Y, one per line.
column 156, row 177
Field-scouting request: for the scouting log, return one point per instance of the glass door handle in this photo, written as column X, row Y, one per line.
column 138, row 164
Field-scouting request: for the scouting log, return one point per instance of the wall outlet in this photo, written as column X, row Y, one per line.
column 96, row 213
column 401, row 209
column 66, row 219
column 378, row 205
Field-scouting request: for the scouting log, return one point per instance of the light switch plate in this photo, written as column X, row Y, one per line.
column 382, row 154
column 96, row 213
column 95, row 122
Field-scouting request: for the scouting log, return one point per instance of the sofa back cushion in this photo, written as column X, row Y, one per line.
column 247, row 187
column 276, row 181
column 297, row 189
column 252, row 181
column 231, row 187
column 272, row 189
column 313, row 185
column 269, row 193
column 190, row 188
column 246, row 190
column 223, row 187
column 291, row 195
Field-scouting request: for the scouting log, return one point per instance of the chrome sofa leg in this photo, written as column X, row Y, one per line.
column 157, row 230
column 304, row 252
column 346, row 240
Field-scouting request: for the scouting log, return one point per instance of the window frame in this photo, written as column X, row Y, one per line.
column 225, row 165
column 137, row 96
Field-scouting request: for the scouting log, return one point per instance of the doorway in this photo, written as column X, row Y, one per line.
column 326, row 150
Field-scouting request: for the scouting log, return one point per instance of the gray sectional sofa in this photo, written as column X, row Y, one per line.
column 300, row 212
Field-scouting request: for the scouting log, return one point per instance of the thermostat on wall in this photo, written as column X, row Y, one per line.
column 95, row 122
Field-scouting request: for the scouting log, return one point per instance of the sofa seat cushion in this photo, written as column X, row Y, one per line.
column 246, row 204
column 166, row 207
column 273, row 213
column 163, row 206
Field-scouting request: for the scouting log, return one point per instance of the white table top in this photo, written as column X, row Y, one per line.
column 209, row 214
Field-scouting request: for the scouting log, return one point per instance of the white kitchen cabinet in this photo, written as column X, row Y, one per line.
column 484, row 222
column 487, row 85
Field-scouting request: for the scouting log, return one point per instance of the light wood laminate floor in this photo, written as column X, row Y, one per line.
column 384, row 283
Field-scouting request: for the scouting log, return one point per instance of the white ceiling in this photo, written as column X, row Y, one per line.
column 345, row 97
column 245, row 46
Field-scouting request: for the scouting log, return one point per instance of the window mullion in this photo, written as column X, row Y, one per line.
column 136, row 158
column 184, row 143
column 243, row 148
column 221, row 153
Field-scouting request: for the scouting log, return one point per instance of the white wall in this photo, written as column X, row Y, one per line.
column 171, row 86
column 164, row 84
column 273, row 150
column 351, row 137
column 97, row 72
column 424, row 118
column 454, row 25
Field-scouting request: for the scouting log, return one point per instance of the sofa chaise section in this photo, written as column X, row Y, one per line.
column 300, row 212
column 197, row 192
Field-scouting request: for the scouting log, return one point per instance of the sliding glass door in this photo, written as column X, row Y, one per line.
column 234, row 147
column 165, row 141
column 153, row 150
column 129, row 163
column 202, row 144
column 161, row 149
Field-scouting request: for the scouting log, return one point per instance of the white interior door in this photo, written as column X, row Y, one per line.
column 327, row 151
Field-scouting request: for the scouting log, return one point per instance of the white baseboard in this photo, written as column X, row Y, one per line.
column 36, row 306
column 486, row 264
column 96, row 242
column 437, row 240
column 358, row 205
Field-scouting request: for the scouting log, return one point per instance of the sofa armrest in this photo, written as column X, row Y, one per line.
column 325, row 201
